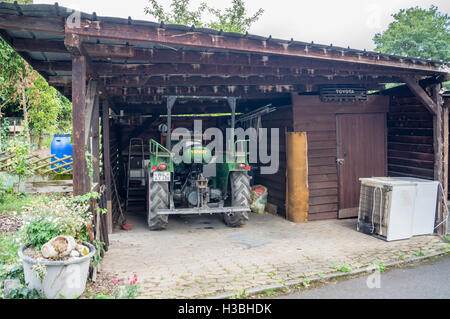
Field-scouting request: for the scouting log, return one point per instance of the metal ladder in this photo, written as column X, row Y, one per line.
column 135, row 174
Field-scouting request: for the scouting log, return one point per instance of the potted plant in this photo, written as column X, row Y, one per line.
column 56, row 254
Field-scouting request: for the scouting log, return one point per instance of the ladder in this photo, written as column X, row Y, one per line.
column 135, row 175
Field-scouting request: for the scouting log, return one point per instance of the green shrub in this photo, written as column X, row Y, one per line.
column 49, row 217
column 40, row 231
column 23, row 292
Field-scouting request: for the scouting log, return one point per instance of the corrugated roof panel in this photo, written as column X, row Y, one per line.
column 52, row 11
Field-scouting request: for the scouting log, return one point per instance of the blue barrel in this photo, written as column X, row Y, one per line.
column 60, row 147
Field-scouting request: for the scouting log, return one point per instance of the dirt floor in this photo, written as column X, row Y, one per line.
column 199, row 256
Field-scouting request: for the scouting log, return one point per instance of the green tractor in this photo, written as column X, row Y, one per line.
column 189, row 187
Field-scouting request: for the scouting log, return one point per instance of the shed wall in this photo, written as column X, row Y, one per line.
column 410, row 138
column 276, row 183
column 318, row 119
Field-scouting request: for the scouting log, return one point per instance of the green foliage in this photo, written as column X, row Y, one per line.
column 22, row 88
column 99, row 250
column 44, row 106
column 40, row 231
column 417, row 32
column 419, row 253
column 23, row 292
column 9, row 245
column 4, row 191
column 380, row 266
column 343, row 268
column 49, row 217
column 20, row 148
column 14, row 202
column 232, row 19
column 15, row 272
column 179, row 13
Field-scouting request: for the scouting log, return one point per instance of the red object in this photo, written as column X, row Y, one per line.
column 154, row 168
column 248, row 167
column 241, row 166
column 162, row 167
column 126, row 226
column 258, row 190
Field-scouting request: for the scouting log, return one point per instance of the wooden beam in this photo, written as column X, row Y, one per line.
column 184, row 38
column 107, row 163
column 80, row 173
column 32, row 24
column 420, row 93
column 177, row 80
column 32, row 45
column 145, row 81
column 112, row 69
column 121, row 53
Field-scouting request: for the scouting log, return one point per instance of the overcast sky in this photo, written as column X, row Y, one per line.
column 343, row 23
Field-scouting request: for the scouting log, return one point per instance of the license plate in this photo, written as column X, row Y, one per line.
column 161, row 176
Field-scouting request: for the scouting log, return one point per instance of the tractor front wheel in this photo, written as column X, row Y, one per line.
column 157, row 198
column 240, row 196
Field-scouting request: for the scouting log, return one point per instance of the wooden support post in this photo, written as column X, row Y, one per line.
column 435, row 105
column 107, row 164
column 446, row 132
column 96, row 141
column 438, row 135
column 80, row 173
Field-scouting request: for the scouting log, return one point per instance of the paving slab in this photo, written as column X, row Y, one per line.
column 198, row 256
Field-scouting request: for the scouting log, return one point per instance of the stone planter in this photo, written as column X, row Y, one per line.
column 64, row 279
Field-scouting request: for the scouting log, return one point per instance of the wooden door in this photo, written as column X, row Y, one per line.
column 361, row 152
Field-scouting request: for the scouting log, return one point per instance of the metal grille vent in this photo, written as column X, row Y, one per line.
column 372, row 219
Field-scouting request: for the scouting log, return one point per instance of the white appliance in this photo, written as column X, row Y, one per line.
column 396, row 208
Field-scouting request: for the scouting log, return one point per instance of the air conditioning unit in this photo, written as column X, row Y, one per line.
column 394, row 208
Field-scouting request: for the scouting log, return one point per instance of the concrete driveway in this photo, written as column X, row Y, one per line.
column 199, row 256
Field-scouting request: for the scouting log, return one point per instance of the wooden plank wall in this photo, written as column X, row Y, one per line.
column 410, row 138
column 276, row 183
column 318, row 119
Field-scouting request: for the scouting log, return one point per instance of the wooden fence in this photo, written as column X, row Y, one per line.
column 39, row 165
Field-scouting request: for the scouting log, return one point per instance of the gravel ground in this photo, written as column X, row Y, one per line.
column 103, row 285
column 9, row 224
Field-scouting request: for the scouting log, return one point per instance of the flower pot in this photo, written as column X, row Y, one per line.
column 63, row 279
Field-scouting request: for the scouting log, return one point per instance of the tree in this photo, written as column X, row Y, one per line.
column 418, row 33
column 180, row 14
column 232, row 19
column 23, row 88
column 44, row 106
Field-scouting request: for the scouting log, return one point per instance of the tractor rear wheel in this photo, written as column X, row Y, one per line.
column 157, row 198
column 240, row 196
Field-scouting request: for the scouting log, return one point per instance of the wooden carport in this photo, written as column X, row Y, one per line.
column 119, row 65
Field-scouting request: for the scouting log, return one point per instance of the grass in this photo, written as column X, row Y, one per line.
column 343, row 268
column 8, row 249
column 15, row 202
